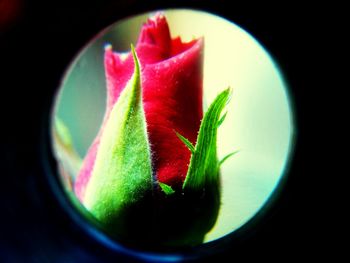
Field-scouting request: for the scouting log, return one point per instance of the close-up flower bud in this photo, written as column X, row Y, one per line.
column 158, row 131
column 183, row 128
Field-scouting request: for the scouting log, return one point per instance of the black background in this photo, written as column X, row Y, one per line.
column 34, row 52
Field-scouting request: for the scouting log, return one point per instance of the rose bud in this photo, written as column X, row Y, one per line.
column 151, row 176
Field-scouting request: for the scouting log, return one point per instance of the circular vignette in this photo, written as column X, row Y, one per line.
column 217, row 240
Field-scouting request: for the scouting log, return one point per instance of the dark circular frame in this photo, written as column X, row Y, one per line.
column 236, row 238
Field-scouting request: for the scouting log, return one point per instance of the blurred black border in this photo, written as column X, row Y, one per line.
column 35, row 49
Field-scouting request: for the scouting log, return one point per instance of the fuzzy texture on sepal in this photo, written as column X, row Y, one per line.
column 151, row 177
column 203, row 170
column 121, row 179
column 198, row 202
column 172, row 77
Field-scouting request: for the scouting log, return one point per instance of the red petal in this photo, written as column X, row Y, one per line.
column 85, row 172
column 118, row 73
column 156, row 33
column 172, row 95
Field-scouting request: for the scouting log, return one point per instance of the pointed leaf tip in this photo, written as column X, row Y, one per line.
column 136, row 59
column 167, row 189
column 227, row 156
column 120, row 178
column 203, row 169
column 230, row 92
column 222, row 119
column 189, row 145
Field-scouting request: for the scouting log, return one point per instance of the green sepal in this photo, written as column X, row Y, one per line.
column 203, row 171
column 226, row 157
column 222, row 119
column 121, row 183
column 63, row 133
column 167, row 189
column 70, row 161
column 186, row 142
column 199, row 201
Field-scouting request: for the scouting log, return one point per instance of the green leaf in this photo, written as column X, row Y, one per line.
column 166, row 188
column 201, row 188
column 222, row 119
column 70, row 160
column 203, row 171
column 226, row 157
column 121, row 179
column 63, row 133
column 186, row 142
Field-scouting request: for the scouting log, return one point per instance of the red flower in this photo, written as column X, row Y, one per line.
column 152, row 173
column 171, row 80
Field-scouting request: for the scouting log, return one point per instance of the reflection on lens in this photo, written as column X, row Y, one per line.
column 178, row 140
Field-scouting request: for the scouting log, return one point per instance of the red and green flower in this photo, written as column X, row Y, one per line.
column 152, row 173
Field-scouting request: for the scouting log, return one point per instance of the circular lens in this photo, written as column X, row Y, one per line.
column 258, row 125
